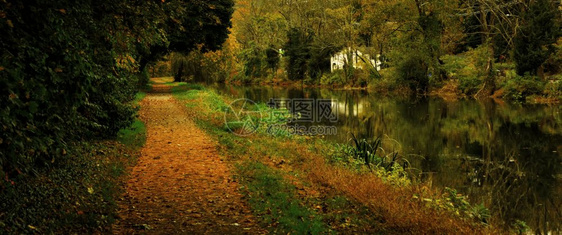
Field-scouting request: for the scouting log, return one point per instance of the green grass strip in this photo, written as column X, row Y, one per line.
column 273, row 200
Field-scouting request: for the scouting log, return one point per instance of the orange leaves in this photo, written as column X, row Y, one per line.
column 126, row 62
column 1, row 68
column 63, row 11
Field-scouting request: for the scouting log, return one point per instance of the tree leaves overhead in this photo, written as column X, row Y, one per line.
column 204, row 23
column 70, row 68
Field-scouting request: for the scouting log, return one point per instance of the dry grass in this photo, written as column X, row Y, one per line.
column 401, row 214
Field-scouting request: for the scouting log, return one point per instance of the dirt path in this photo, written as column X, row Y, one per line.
column 180, row 184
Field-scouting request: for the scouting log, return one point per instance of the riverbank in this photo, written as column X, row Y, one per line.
column 295, row 178
column 460, row 78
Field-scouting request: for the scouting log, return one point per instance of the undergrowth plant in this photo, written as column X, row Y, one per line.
column 77, row 197
column 372, row 154
column 456, row 203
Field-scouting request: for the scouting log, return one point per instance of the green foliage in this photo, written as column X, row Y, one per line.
column 134, row 136
column 520, row 87
column 332, row 79
column 273, row 200
column 520, row 227
column 272, row 58
column 385, row 167
column 414, row 72
column 470, row 85
column 554, row 88
column 179, row 66
column 255, row 62
column 553, row 64
column 468, row 68
column 193, row 23
column 457, row 204
column 143, row 78
column 68, row 75
column 319, row 61
column 460, row 205
column 371, row 155
column 197, row 67
column 366, row 151
column 298, row 50
column 538, row 32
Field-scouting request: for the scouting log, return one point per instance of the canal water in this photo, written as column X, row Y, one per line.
column 506, row 156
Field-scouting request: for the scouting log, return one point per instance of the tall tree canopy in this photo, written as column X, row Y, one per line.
column 533, row 42
column 68, row 69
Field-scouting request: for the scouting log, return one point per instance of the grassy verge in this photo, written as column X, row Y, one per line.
column 135, row 136
column 272, row 199
column 376, row 200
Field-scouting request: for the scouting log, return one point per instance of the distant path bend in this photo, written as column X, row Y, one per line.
column 180, row 185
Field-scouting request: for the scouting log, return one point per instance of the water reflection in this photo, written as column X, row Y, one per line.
column 508, row 157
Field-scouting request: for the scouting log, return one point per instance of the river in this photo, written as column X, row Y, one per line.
column 505, row 156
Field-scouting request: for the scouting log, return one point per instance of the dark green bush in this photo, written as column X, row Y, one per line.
column 66, row 74
column 298, row 51
column 534, row 39
column 413, row 72
column 470, row 85
column 520, row 87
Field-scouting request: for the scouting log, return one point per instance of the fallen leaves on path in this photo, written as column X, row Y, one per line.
column 180, row 185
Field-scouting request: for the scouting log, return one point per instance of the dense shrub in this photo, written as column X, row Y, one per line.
column 553, row 64
column 413, row 72
column 470, row 85
column 554, row 88
column 67, row 72
column 332, row 79
column 520, row 87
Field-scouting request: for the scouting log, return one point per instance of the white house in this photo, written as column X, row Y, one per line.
column 360, row 60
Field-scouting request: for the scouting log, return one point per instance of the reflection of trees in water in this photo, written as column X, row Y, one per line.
column 521, row 177
column 501, row 155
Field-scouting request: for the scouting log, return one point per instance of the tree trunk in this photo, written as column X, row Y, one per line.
column 489, row 82
column 179, row 74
